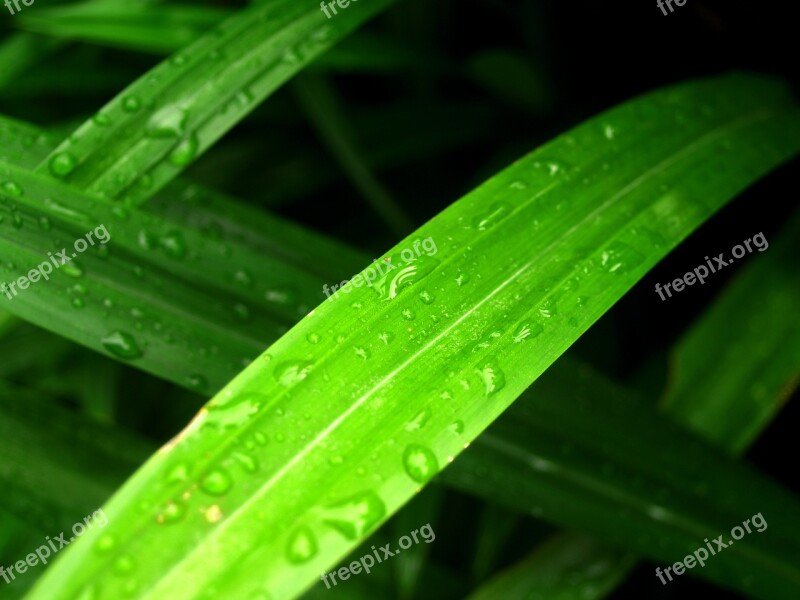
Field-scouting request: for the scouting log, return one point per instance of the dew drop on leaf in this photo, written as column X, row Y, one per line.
column 302, row 546
column 356, row 516
column 197, row 382
column 457, row 427
column 426, row 297
column 122, row 345
column 216, row 483
column 168, row 122
column 172, row 513
column 420, row 463
column 185, row 152
column 124, row 565
column 619, row 258
column 173, row 244
column 105, row 544
column 492, row 376
column 293, row 372
column 12, row 189
column 247, row 462
column 131, row 104
column 419, row 421
column 101, row 120
column 496, row 213
column 62, row 164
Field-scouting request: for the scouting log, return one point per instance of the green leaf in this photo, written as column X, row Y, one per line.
column 160, row 124
column 567, row 567
column 363, row 402
column 735, row 369
column 578, row 451
column 757, row 294
column 56, row 467
column 188, row 241
column 165, row 28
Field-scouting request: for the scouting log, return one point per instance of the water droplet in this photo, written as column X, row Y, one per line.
column 131, row 104
column 609, row 131
column 362, row 352
column 78, row 303
column 185, row 152
column 120, row 212
column 426, row 297
column 216, row 483
column 408, row 314
column 291, row 57
column 247, row 462
column 172, row 513
column 45, row 224
column 548, row 308
column 243, row 277
column 457, row 427
column 462, row 279
column 526, row 331
column 62, row 164
column 72, row 269
column 168, row 122
column 293, row 372
column 241, row 311
column 496, row 213
column 197, row 382
column 178, row 474
column 419, row 421
column 619, row 258
column 356, row 516
column 101, row 120
column 124, row 565
column 302, row 546
column 147, row 239
column 386, row 337
column 173, row 244
column 105, row 544
column 492, row 376
column 12, row 189
column 420, row 463
column 313, row 338
column 122, row 345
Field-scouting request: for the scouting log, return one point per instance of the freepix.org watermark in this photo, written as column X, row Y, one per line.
column 379, row 269
column 699, row 556
column 700, row 273
column 45, row 269
column 366, row 562
column 53, row 546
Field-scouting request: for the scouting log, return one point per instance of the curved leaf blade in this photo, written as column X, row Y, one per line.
column 449, row 347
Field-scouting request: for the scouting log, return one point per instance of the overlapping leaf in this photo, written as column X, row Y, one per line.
column 371, row 394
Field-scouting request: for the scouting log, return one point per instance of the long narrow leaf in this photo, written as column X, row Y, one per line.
column 390, row 382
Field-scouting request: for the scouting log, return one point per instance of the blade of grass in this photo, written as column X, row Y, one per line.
column 526, row 263
column 161, row 123
column 583, row 458
column 286, row 268
column 734, row 370
column 166, row 29
column 756, row 294
column 567, row 567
